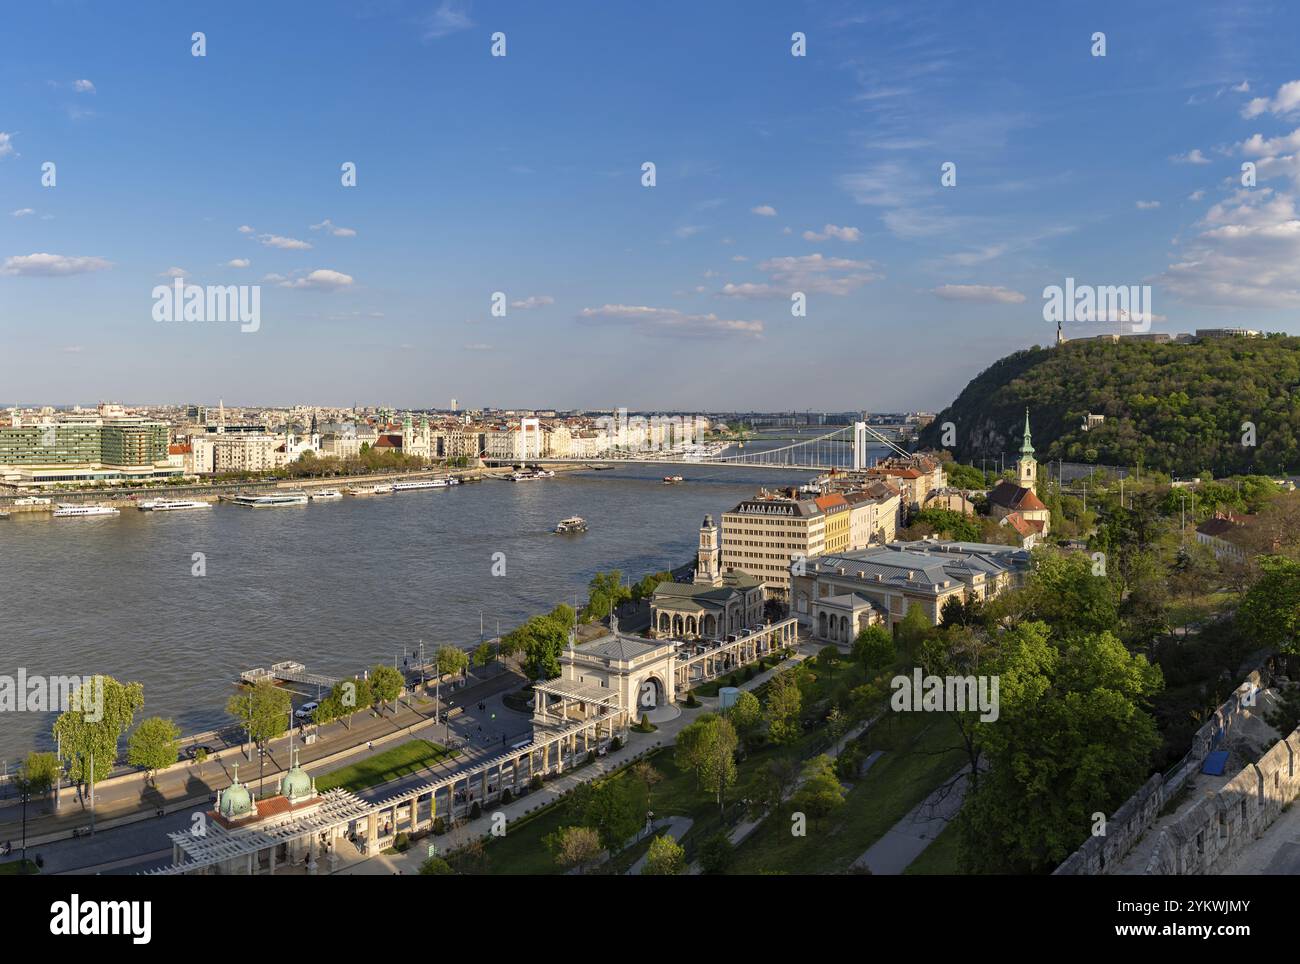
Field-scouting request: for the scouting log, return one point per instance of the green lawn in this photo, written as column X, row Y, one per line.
column 400, row 761
column 15, row 868
column 941, row 857
column 919, row 754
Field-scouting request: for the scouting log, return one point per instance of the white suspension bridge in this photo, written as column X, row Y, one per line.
column 845, row 448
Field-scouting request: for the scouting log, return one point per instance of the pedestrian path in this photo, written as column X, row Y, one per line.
column 907, row 839
column 674, row 827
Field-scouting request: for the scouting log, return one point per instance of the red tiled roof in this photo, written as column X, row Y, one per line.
column 178, row 450
column 1008, row 495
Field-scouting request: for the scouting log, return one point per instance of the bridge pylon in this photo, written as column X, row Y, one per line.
column 859, row 446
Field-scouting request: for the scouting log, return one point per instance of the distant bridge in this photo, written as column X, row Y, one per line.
column 845, row 448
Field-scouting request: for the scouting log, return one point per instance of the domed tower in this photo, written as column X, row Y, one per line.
column 296, row 785
column 1027, row 465
column 235, row 802
column 708, row 565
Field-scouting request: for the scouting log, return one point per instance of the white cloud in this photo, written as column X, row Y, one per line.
column 533, row 301
column 833, row 231
column 1247, row 254
column 739, row 257
column 1257, row 145
column 1196, row 196
column 83, row 87
column 1194, row 156
column 51, row 265
column 6, row 144
column 688, row 230
column 276, row 241
column 669, row 321
column 175, row 273
column 23, row 212
column 1286, row 101
column 238, row 263
column 984, row 294
column 1242, row 88
column 478, row 346
column 245, row 229
column 449, row 18
column 334, row 229
column 764, row 211
column 1147, row 205
column 323, row 279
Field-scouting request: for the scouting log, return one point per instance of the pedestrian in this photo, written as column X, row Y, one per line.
column 370, row 744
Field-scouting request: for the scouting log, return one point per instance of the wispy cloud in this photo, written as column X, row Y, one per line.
column 669, row 322
column 334, row 229
column 533, row 301
column 1285, row 101
column 51, row 265
column 833, row 231
column 322, row 279
column 448, row 19
column 289, row 244
column 984, row 294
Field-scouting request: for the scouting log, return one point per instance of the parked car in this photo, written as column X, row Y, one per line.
column 305, row 711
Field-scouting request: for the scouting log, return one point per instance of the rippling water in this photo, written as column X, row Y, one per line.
column 337, row 586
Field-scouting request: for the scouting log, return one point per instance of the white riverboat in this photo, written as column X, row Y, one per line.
column 424, row 484
column 571, row 525
column 381, row 489
column 325, row 495
column 270, row 501
column 172, row 505
column 531, row 475
column 65, row 511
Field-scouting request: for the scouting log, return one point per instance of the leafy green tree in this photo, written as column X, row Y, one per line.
column 577, row 848
column 746, row 715
column 874, row 649
column 541, row 640
column 386, row 684
column 262, row 710
column 1072, row 739
column 102, row 710
column 483, row 654
column 665, row 858
column 451, row 660
column 606, row 593
column 435, row 867
column 154, row 746
column 784, row 703
column 707, row 748
column 1271, row 610
column 614, row 808
column 344, row 699
column 820, row 794
column 717, row 854
column 645, row 588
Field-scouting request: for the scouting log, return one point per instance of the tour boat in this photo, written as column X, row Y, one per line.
column 64, row 511
column 529, row 476
column 171, row 505
column 322, row 495
column 382, row 489
column 572, row 524
column 270, row 501
column 421, row 484
column 673, row 479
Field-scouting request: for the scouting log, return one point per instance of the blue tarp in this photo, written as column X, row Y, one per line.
column 1215, row 763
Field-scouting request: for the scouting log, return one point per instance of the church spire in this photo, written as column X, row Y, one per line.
column 1027, row 448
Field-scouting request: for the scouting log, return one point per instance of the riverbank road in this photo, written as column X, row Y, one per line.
column 186, row 786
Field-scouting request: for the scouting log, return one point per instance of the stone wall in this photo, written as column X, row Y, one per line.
column 1125, row 828
column 1217, row 828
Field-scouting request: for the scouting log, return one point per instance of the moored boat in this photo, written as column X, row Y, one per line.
column 270, row 501
column 573, row 524
column 171, row 505
column 65, row 511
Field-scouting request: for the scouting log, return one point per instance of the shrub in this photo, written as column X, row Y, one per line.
column 691, row 700
column 439, row 826
column 536, row 782
column 616, row 744
column 716, row 854
column 507, row 795
column 402, row 842
column 475, row 811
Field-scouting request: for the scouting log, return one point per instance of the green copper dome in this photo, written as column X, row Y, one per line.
column 235, row 801
column 296, row 784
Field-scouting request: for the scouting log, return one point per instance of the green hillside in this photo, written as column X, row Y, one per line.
column 1174, row 408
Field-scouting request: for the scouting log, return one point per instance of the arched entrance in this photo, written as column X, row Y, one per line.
column 651, row 695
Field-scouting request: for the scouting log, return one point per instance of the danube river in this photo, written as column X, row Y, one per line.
column 338, row 586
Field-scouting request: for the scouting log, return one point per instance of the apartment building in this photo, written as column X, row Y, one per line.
column 764, row 535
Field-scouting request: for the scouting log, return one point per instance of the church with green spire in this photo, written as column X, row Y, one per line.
column 1015, row 504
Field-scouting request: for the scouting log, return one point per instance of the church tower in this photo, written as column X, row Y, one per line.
column 708, row 568
column 1027, row 465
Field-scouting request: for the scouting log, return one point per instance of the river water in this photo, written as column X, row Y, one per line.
column 337, row 586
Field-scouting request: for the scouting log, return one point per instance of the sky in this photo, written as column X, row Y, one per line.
column 523, row 174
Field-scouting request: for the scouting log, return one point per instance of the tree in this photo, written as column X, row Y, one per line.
column 262, row 710
column 435, row 867
column 776, row 780
column 717, row 854
column 828, row 659
column 102, row 709
column 154, row 746
column 1271, row 610
column 614, row 808
column 541, row 640
column 820, row 794
column 645, row 771
column 451, row 660
column 708, row 749
column 606, row 593
column 36, row 776
column 1072, row 739
column 914, row 629
column 483, row 654
column 345, row 698
column 665, row 858
column 645, row 589
column 746, row 715
column 386, row 684
column 874, row 649
column 576, row 848
column 784, row 702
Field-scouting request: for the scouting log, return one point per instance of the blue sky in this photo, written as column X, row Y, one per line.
column 522, row 174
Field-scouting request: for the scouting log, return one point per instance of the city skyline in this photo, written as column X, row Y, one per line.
column 479, row 174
